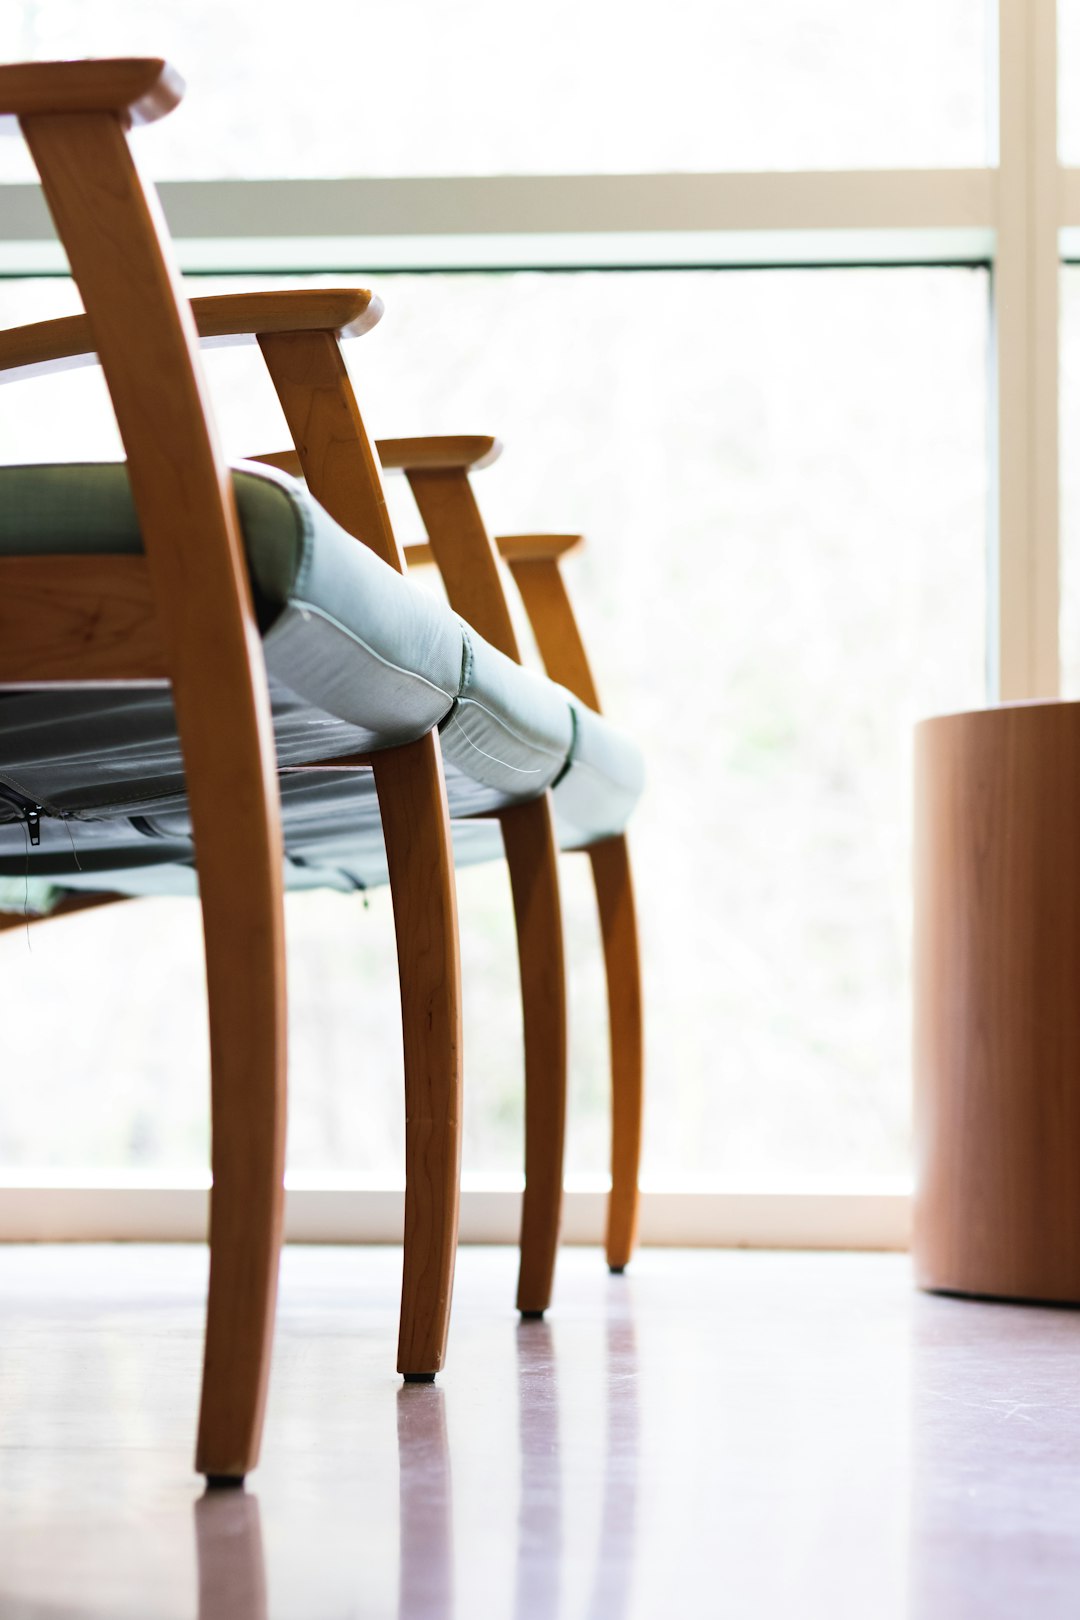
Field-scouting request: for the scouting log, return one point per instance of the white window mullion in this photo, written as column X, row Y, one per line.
column 572, row 221
column 1024, row 596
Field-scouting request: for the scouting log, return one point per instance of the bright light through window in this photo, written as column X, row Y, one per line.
column 782, row 480
column 556, row 88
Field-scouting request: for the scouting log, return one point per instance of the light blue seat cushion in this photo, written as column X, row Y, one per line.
column 358, row 658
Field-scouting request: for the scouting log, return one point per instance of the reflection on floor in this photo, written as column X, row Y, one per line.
column 713, row 1434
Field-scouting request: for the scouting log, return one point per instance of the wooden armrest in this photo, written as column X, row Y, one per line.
column 286, row 461
column 512, row 548
column 347, row 312
column 46, row 346
column 139, row 89
column 408, row 455
column 418, row 554
column 536, row 547
column 440, row 454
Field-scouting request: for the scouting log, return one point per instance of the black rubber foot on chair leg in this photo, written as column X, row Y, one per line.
column 419, row 1378
column 532, row 1316
column 617, row 1271
column 224, row 1482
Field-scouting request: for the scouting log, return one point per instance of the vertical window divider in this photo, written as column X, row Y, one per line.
column 1023, row 633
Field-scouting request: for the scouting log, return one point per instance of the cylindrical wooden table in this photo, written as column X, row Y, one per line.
column 997, row 1002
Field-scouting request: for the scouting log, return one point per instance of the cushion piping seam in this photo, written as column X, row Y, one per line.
column 411, row 674
column 526, row 742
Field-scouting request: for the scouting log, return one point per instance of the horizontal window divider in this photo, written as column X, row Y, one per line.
column 100, row 1208
column 466, row 205
column 551, row 221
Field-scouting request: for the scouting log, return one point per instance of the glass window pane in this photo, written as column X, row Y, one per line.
column 782, row 480
column 1068, row 20
column 481, row 87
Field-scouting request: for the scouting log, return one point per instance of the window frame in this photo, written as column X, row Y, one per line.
column 1019, row 216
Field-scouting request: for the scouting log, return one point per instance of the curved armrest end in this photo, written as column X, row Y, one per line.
column 139, row 88
column 286, row 461
column 345, row 311
column 526, row 548
column 439, row 454
column 422, row 455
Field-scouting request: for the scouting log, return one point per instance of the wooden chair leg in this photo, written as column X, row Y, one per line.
column 532, row 858
column 622, row 964
column 245, row 969
column 416, row 829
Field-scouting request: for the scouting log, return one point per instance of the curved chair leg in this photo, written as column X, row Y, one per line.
column 532, row 857
column 416, row 830
column 245, row 969
column 622, row 964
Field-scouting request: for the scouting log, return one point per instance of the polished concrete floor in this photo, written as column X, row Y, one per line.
column 738, row 1435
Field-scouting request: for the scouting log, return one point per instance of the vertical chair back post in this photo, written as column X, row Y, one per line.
column 533, row 561
column 338, row 462
column 74, row 117
column 341, row 469
column 469, row 567
column 464, row 552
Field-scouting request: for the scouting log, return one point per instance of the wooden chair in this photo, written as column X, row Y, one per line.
column 534, row 562
column 438, row 471
column 183, row 613
column 144, row 619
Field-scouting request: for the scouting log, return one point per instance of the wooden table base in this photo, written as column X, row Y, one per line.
column 997, row 1003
